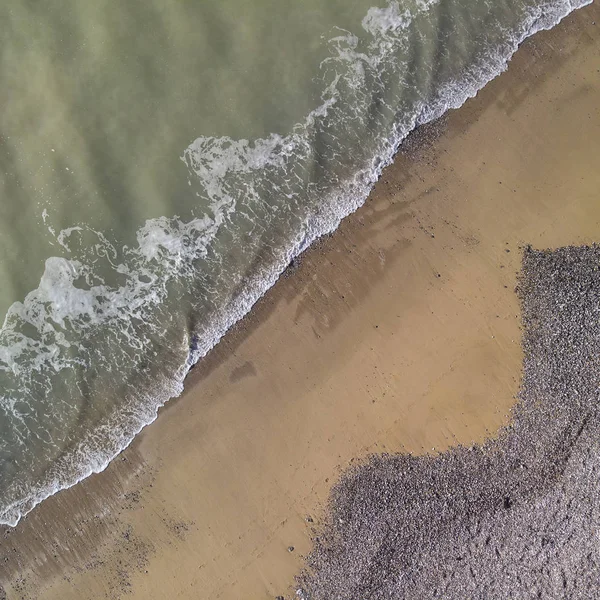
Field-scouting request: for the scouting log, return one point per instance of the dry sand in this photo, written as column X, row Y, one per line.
column 516, row 517
column 400, row 332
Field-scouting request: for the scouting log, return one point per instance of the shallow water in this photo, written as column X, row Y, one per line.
column 162, row 163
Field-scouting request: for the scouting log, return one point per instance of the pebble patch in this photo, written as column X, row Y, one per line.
column 516, row 517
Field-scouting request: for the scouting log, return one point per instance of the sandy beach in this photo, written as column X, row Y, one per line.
column 401, row 332
column 514, row 517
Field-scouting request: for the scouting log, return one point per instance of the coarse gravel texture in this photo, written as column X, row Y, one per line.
column 517, row 517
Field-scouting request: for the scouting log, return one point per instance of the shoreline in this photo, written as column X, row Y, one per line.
column 328, row 220
column 347, row 280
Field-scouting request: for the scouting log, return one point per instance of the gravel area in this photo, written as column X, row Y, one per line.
column 517, row 517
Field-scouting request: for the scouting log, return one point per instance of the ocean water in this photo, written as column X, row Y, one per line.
column 162, row 163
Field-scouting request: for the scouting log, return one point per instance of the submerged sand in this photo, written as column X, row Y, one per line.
column 398, row 333
column 517, row 517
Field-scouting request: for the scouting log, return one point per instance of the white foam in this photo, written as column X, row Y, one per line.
column 380, row 21
column 64, row 235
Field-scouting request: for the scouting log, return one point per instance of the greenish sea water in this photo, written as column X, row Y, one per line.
column 161, row 163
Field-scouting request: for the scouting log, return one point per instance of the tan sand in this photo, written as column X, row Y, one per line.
column 399, row 332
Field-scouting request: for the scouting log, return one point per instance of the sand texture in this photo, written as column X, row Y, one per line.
column 399, row 333
column 517, row 517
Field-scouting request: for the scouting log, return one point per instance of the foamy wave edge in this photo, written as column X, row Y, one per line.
column 344, row 202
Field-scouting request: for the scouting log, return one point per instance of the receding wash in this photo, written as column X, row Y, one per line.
column 160, row 166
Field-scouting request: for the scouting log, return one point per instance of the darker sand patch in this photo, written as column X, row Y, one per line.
column 516, row 517
column 246, row 370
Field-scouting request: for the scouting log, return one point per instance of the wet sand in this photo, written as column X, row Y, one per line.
column 401, row 332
